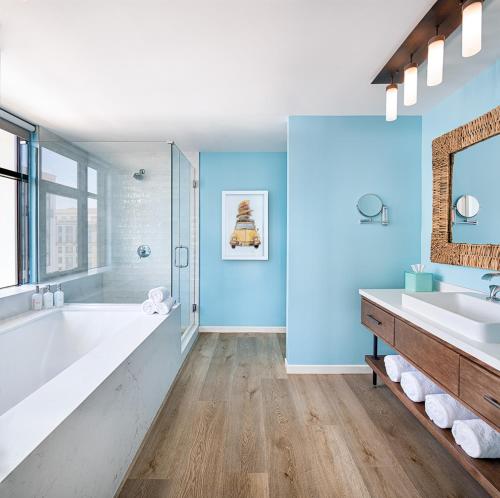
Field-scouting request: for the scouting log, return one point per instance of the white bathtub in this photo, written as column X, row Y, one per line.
column 79, row 387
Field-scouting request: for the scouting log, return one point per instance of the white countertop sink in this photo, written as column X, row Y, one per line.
column 469, row 314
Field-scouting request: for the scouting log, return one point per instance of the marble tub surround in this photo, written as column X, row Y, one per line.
column 391, row 299
column 80, row 420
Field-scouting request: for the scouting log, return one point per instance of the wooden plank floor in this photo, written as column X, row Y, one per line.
column 235, row 425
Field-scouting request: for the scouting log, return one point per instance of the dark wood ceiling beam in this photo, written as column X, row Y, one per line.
column 446, row 14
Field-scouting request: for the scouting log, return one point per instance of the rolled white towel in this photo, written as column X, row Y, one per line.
column 395, row 365
column 164, row 307
column 477, row 438
column 443, row 410
column 148, row 307
column 158, row 294
column 417, row 386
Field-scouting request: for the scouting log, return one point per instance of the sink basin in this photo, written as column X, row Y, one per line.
column 467, row 313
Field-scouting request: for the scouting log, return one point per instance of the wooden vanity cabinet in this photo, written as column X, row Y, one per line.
column 475, row 384
column 433, row 358
column 480, row 389
column 377, row 320
column 469, row 380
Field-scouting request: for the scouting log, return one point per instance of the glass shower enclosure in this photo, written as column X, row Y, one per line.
column 120, row 215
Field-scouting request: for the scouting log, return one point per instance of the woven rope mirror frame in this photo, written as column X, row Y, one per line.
column 443, row 250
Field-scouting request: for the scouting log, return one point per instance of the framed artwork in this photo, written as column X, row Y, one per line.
column 245, row 224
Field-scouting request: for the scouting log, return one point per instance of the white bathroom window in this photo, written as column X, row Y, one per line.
column 92, row 180
column 71, row 207
column 13, row 204
column 8, row 248
column 92, row 233
column 61, row 217
column 58, row 168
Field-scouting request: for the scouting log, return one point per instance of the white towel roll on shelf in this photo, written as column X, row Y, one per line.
column 417, row 386
column 395, row 365
column 443, row 410
column 477, row 438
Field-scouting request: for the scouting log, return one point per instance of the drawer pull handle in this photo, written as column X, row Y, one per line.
column 492, row 401
column 371, row 317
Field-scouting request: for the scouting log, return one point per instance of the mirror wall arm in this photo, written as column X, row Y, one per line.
column 384, row 217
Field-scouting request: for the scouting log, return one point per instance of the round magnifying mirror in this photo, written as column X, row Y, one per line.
column 467, row 206
column 370, row 205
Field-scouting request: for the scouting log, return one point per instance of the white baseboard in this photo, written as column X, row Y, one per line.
column 243, row 330
column 327, row 369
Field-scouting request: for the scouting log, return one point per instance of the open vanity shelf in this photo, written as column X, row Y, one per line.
column 468, row 379
column 486, row 472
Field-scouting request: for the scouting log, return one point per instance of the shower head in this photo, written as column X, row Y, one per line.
column 139, row 175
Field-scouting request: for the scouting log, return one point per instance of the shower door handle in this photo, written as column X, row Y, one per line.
column 177, row 259
column 187, row 257
column 176, row 249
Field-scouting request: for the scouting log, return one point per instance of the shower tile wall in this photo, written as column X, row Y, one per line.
column 140, row 213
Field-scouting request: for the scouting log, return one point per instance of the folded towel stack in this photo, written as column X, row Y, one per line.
column 148, row 307
column 158, row 294
column 477, row 438
column 444, row 410
column 417, row 386
column 164, row 307
column 395, row 365
column 159, row 301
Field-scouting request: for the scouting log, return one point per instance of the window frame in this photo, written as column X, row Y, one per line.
column 81, row 195
column 22, row 201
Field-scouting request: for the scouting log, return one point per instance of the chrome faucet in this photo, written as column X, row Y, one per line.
column 494, row 289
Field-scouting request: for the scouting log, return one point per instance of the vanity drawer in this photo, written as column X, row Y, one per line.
column 480, row 389
column 429, row 355
column 377, row 320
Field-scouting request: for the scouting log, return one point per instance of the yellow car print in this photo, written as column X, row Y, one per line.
column 245, row 234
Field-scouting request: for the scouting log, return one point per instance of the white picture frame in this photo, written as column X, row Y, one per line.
column 245, row 227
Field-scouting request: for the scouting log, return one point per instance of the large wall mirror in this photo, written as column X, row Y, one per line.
column 466, row 191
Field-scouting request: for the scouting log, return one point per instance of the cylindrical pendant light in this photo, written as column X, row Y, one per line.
column 391, row 102
column 472, row 14
column 410, row 84
column 435, row 60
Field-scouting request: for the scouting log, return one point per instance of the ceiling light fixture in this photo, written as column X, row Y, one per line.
column 391, row 102
column 435, row 59
column 426, row 43
column 472, row 14
column 410, row 83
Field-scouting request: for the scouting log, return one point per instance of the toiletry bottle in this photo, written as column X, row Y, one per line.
column 36, row 300
column 48, row 298
column 58, row 297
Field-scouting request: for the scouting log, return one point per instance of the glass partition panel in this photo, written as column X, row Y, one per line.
column 120, row 195
column 120, row 214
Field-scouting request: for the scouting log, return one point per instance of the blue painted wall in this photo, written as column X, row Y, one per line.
column 242, row 293
column 477, row 97
column 332, row 161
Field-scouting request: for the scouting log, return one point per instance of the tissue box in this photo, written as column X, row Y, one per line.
column 418, row 282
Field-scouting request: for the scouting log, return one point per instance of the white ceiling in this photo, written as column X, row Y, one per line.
column 211, row 75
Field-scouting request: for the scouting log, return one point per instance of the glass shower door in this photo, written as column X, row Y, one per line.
column 182, row 254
